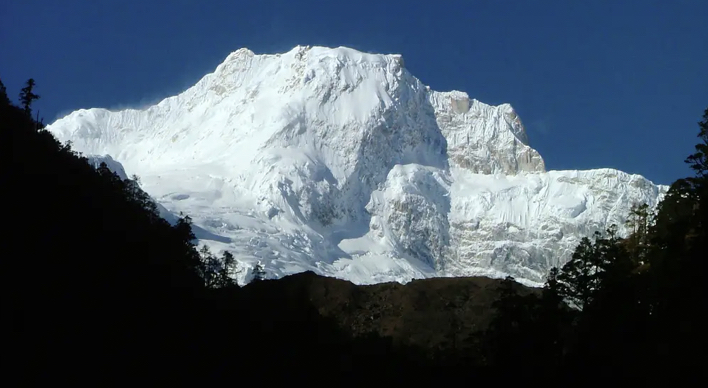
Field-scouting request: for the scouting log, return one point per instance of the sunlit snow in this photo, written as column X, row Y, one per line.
column 343, row 163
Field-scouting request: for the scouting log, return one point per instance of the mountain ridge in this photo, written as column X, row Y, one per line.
column 344, row 163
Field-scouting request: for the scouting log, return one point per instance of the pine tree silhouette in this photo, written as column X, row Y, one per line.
column 27, row 96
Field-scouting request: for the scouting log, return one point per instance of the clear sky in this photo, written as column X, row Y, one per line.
column 617, row 84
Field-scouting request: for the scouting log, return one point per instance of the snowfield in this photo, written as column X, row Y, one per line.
column 343, row 163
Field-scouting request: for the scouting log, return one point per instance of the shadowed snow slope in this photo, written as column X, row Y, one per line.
column 343, row 163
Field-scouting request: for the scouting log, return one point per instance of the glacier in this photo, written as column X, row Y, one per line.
column 343, row 163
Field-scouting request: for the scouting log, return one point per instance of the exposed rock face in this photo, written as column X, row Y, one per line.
column 482, row 138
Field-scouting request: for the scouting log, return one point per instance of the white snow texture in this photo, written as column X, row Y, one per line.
column 343, row 163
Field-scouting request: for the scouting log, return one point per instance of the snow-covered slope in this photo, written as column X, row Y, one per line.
column 341, row 162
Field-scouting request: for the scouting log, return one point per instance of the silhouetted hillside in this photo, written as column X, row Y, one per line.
column 432, row 313
column 98, row 289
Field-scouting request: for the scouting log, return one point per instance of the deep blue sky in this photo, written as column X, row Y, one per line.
column 597, row 83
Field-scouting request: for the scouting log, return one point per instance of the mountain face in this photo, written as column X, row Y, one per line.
column 345, row 164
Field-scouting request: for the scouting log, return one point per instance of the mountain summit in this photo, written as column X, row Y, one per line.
column 344, row 163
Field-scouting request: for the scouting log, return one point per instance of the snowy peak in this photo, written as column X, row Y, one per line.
column 344, row 163
column 341, row 86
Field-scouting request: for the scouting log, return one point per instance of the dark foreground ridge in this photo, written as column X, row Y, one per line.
column 99, row 289
column 438, row 314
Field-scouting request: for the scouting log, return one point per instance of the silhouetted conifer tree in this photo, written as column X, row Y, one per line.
column 4, row 99
column 259, row 272
column 27, row 96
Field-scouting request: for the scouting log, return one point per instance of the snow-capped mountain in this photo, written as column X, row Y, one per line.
column 343, row 163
